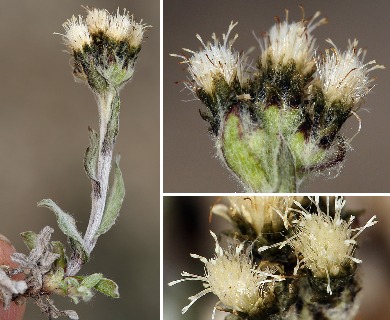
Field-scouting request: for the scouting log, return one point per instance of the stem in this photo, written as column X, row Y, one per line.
column 74, row 266
column 103, row 174
column 98, row 199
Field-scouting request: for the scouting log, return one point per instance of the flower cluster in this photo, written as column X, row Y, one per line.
column 280, row 123
column 104, row 47
column 307, row 266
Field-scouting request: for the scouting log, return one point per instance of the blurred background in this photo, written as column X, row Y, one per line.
column 44, row 119
column 189, row 155
column 186, row 230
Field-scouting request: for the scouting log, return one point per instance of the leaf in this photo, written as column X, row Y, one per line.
column 286, row 164
column 71, row 314
column 92, row 280
column 54, row 282
column 108, row 287
column 59, row 248
column 72, row 281
column 114, row 201
column 91, row 154
column 9, row 287
column 30, row 239
column 67, row 225
column 91, row 159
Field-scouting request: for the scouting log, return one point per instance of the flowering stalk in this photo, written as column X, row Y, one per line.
column 293, row 258
column 104, row 48
column 279, row 123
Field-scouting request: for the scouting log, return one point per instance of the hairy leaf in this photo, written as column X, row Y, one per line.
column 59, row 248
column 114, row 201
column 73, row 281
column 54, row 282
column 91, row 154
column 8, row 287
column 92, row 280
column 108, row 287
column 71, row 314
column 67, row 225
column 30, row 239
column 91, row 159
column 287, row 180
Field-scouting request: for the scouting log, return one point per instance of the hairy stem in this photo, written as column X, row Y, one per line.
column 103, row 173
column 98, row 196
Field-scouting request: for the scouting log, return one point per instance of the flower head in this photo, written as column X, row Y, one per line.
column 123, row 27
column 344, row 75
column 119, row 25
column 233, row 278
column 216, row 60
column 259, row 212
column 97, row 20
column 76, row 33
column 326, row 243
column 286, row 42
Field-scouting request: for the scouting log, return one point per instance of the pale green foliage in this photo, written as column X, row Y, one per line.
column 30, row 239
column 92, row 280
column 114, row 201
column 92, row 154
column 67, row 225
column 108, row 287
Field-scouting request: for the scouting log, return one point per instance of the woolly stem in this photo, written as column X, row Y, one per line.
column 106, row 105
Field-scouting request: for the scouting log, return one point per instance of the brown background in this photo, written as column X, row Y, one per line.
column 44, row 116
column 189, row 163
column 186, row 230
